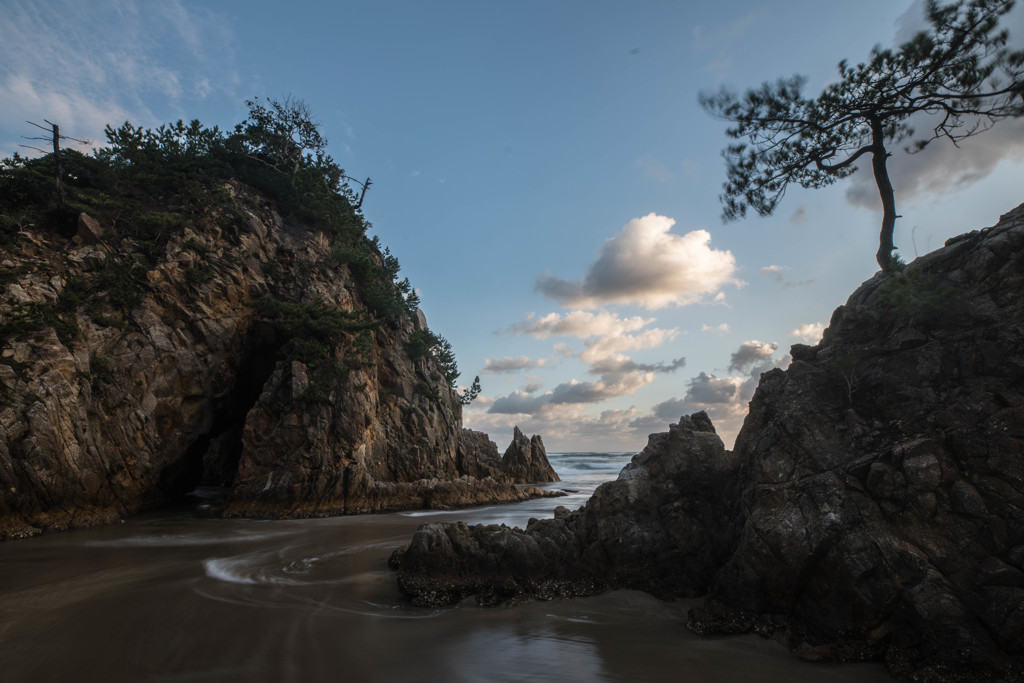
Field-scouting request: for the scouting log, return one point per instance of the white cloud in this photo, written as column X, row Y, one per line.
column 752, row 353
column 647, row 265
column 809, row 332
column 581, row 324
column 509, row 364
column 724, row 327
column 778, row 273
column 774, row 272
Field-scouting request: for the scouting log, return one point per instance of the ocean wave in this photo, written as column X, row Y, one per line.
column 429, row 513
column 173, row 540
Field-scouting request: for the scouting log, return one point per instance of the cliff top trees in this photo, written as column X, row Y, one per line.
column 960, row 72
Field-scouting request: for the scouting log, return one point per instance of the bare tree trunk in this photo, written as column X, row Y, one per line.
column 879, row 156
column 58, row 164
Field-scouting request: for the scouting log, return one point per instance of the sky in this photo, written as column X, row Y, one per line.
column 544, row 173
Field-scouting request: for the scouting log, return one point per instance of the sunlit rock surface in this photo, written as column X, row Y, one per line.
column 135, row 406
column 873, row 507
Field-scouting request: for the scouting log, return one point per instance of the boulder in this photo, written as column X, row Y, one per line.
column 89, row 230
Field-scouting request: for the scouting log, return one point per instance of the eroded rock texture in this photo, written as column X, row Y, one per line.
column 873, row 507
column 107, row 409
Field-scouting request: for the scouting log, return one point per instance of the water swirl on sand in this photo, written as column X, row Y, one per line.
column 287, row 566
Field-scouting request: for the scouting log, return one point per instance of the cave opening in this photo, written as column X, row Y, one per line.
column 210, row 464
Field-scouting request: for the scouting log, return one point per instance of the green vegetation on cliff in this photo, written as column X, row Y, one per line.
column 148, row 186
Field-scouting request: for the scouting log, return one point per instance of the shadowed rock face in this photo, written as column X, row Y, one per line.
column 873, row 506
column 189, row 386
column 884, row 474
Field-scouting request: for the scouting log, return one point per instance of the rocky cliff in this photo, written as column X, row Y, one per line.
column 239, row 349
column 873, row 506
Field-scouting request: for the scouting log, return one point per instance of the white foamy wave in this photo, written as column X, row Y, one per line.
column 230, row 569
column 430, row 513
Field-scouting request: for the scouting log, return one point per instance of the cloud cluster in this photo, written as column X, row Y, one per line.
column 647, row 265
column 605, row 337
column 561, row 414
column 608, row 347
column 522, row 402
column 725, row 399
column 644, row 264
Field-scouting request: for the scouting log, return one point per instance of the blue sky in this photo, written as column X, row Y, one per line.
column 544, row 174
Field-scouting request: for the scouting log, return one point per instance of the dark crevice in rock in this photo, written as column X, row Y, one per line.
column 212, row 459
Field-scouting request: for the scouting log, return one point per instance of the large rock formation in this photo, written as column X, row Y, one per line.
column 873, row 506
column 131, row 371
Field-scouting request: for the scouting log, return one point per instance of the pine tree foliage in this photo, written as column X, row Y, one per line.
column 960, row 73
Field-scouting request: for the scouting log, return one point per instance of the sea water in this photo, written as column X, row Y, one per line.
column 174, row 596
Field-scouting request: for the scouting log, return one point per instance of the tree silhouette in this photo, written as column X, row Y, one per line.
column 960, row 72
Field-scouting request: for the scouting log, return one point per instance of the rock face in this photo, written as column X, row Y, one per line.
column 873, row 507
column 115, row 399
column 527, row 459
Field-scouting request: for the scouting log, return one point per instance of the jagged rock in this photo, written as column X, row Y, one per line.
column 120, row 408
column 477, row 456
column 660, row 527
column 526, row 460
column 873, row 507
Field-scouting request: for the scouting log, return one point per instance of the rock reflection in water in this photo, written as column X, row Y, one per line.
column 172, row 597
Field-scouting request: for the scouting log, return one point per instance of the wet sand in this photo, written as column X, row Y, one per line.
column 171, row 596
